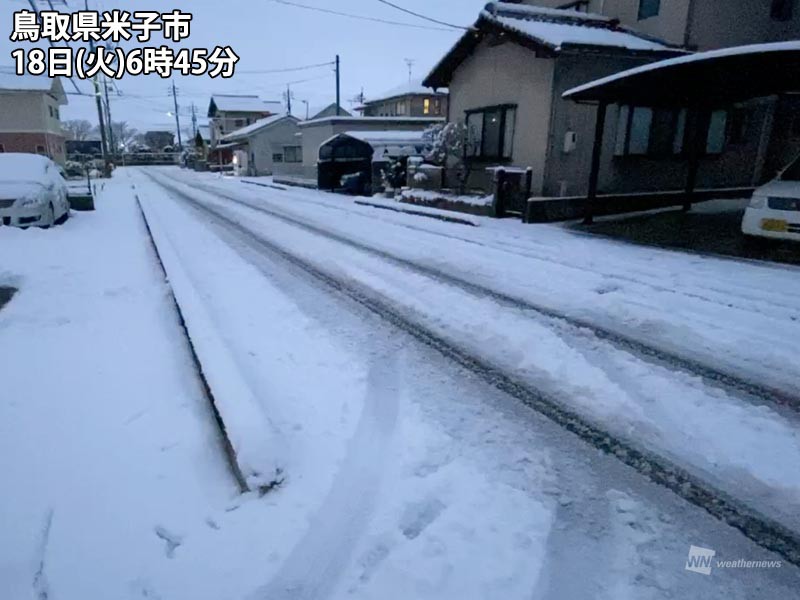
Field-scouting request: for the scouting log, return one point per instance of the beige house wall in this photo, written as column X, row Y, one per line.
column 699, row 24
column 271, row 140
column 509, row 74
column 29, row 112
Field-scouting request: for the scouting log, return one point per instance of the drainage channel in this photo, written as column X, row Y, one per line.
column 759, row 528
column 744, row 389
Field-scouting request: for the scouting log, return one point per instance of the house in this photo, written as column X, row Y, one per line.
column 313, row 133
column 158, row 140
column 698, row 24
column 30, row 116
column 330, row 111
column 408, row 100
column 261, row 145
column 506, row 78
column 710, row 25
column 227, row 113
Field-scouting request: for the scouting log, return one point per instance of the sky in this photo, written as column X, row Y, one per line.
column 269, row 35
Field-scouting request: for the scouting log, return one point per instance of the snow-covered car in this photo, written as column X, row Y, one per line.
column 774, row 211
column 32, row 191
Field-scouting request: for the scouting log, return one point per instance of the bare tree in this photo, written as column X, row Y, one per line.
column 77, row 129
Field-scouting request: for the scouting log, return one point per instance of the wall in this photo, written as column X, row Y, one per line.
column 25, row 123
column 509, row 74
column 717, row 24
column 225, row 123
column 27, row 143
column 269, row 141
column 736, row 166
column 700, row 24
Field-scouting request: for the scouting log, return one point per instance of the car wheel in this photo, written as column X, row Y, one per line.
column 49, row 218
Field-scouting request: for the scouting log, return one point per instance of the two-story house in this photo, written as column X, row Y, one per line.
column 227, row 113
column 409, row 100
column 698, row 24
column 30, row 117
column 711, row 24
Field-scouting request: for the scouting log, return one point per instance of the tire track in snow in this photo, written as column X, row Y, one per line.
column 759, row 528
column 315, row 564
column 744, row 389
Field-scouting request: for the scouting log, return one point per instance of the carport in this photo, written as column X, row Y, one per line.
column 697, row 83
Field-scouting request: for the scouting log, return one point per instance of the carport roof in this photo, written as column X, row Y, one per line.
column 713, row 78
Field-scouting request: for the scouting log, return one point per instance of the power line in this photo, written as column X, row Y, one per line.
column 287, row 70
column 360, row 17
column 411, row 12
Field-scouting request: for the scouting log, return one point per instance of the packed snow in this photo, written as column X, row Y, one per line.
column 405, row 476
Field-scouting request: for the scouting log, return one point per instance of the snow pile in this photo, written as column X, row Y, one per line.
column 256, row 441
column 434, row 196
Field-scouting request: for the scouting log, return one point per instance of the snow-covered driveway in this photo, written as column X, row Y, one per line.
column 407, row 474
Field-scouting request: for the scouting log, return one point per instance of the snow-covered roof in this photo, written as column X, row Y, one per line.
column 691, row 58
column 241, row 103
column 411, row 88
column 557, row 28
column 388, row 137
column 204, row 131
column 255, row 127
column 394, row 120
column 11, row 82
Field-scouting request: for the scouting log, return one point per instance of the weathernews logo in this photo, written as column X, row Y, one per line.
column 701, row 560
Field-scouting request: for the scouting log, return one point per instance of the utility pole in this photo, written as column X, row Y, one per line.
column 338, row 88
column 99, row 103
column 110, row 122
column 306, row 103
column 288, row 99
column 194, row 120
column 177, row 117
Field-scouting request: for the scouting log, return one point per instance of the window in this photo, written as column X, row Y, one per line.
column 717, row 125
column 52, row 115
column 738, row 122
column 41, row 150
column 426, row 106
column 437, row 106
column 401, row 108
column 490, row 132
column 293, row 154
column 649, row 8
column 2, row 148
column 782, row 10
column 633, row 130
column 238, row 123
column 277, row 158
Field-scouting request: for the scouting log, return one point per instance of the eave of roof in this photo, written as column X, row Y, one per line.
column 441, row 74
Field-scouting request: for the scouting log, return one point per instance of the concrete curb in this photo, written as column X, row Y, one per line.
column 418, row 213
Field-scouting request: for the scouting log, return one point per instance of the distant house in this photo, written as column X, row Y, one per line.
column 330, row 111
column 315, row 132
column 30, row 119
column 227, row 113
column 158, row 140
column 412, row 99
column 265, row 143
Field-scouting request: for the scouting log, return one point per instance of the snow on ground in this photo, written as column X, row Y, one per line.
column 428, row 484
column 405, row 476
column 741, row 317
column 750, row 451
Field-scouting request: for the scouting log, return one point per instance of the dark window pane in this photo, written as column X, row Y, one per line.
column 492, row 128
column 649, row 8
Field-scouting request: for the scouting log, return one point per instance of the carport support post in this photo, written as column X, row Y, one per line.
column 594, row 174
column 692, row 126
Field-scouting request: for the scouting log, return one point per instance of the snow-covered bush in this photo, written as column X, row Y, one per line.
column 450, row 149
column 420, row 177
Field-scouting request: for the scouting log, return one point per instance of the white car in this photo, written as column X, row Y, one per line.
column 774, row 211
column 32, row 191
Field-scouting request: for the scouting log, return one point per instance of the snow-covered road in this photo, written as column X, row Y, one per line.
column 392, row 398
column 419, row 478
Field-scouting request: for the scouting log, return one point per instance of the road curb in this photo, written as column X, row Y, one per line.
column 417, row 213
column 230, row 453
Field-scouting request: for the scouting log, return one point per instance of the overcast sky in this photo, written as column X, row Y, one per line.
column 269, row 35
